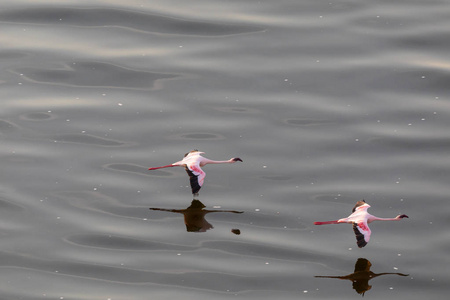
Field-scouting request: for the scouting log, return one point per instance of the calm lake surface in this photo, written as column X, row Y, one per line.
column 326, row 102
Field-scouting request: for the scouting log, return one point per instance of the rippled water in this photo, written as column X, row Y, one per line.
column 327, row 103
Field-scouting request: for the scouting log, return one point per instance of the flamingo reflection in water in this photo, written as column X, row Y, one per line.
column 361, row 276
column 194, row 216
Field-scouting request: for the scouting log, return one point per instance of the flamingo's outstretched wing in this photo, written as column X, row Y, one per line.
column 362, row 233
column 196, row 177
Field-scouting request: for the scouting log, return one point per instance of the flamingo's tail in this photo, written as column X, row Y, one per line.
column 326, row 222
column 156, row 168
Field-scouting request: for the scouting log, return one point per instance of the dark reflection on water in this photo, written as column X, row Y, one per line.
column 6, row 126
column 194, row 216
column 6, row 205
column 38, row 116
column 94, row 74
column 122, row 243
column 136, row 169
column 306, row 122
column 6, row 55
column 238, row 110
column 416, row 143
column 361, row 276
column 87, row 139
column 277, row 177
column 196, row 136
column 122, row 18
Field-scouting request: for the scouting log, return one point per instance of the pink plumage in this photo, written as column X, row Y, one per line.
column 193, row 162
column 360, row 219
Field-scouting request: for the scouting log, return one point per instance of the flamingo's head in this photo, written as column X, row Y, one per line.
column 194, row 151
column 360, row 205
column 401, row 216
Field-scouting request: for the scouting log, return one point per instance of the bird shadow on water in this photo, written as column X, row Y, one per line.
column 194, row 216
column 361, row 276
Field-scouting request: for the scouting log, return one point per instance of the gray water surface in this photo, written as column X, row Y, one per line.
column 327, row 103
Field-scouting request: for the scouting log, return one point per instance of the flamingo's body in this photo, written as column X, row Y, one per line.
column 193, row 162
column 360, row 219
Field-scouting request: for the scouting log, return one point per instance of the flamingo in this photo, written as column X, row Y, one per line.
column 360, row 218
column 193, row 162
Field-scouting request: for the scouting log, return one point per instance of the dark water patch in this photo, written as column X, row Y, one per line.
column 305, row 122
column 95, row 201
column 38, row 116
column 420, row 80
column 342, row 83
column 276, row 177
column 412, row 143
column 269, row 220
column 431, row 40
column 10, row 55
column 6, row 126
column 196, row 136
column 95, row 271
column 94, row 74
column 90, row 201
column 237, row 110
column 333, row 198
column 140, row 213
column 87, row 139
column 74, row 196
column 266, row 251
column 136, row 169
column 133, row 20
column 200, row 136
column 123, row 243
column 198, row 280
column 9, row 207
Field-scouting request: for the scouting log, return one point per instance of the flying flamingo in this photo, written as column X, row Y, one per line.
column 360, row 218
column 192, row 162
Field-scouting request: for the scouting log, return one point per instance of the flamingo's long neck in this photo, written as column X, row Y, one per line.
column 382, row 219
column 208, row 161
column 219, row 162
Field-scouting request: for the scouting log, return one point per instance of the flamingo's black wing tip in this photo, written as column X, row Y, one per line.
column 360, row 239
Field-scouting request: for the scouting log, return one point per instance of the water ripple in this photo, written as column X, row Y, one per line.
column 121, row 18
column 93, row 74
column 135, row 169
column 6, row 126
column 38, row 116
column 122, row 243
column 87, row 139
column 196, row 136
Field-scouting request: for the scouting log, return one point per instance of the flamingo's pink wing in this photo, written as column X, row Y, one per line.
column 196, row 177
